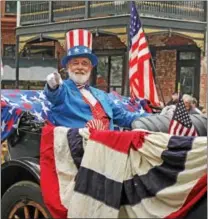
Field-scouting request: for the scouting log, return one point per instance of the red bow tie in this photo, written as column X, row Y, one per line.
column 80, row 86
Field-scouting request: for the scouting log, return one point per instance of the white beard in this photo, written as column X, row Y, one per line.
column 79, row 78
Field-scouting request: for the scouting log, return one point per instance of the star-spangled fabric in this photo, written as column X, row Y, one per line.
column 136, row 105
column 14, row 102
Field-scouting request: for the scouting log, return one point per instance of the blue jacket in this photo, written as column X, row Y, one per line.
column 69, row 109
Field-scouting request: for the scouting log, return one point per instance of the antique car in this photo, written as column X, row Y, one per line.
column 20, row 173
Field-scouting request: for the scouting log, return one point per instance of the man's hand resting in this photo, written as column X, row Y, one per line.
column 54, row 80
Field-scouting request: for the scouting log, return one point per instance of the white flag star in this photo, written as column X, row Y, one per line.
column 12, row 109
column 3, row 125
column 35, row 99
column 24, row 98
column 13, row 104
column 5, row 98
column 44, row 108
column 41, row 95
column 76, row 50
column 142, row 111
column 38, row 115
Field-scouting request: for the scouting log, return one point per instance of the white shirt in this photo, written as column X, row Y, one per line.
column 87, row 94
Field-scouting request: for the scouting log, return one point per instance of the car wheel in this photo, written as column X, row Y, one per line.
column 23, row 200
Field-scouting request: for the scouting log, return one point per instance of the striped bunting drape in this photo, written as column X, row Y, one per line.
column 121, row 174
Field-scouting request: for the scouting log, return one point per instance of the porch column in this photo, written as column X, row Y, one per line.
column 127, row 89
column 87, row 9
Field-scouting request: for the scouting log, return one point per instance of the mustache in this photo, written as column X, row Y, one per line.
column 80, row 72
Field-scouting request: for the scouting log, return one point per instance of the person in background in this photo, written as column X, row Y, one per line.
column 174, row 99
column 188, row 102
column 194, row 105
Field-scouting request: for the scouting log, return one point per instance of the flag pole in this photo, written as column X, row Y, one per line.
column 152, row 63
column 154, row 72
column 179, row 88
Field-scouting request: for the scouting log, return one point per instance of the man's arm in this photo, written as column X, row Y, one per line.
column 122, row 117
column 55, row 89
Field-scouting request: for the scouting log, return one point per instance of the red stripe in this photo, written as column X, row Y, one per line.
column 195, row 133
column 143, row 46
column 48, row 177
column 187, row 132
column 71, row 38
column 198, row 191
column 141, row 79
column 141, row 36
column 176, row 128
column 119, row 141
column 181, row 131
column 135, row 46
column 136, row 90
column 144, row 58
column 170, row 127
column 133, row 84
column 89, row 39
column 133, row 62
column 81, row 37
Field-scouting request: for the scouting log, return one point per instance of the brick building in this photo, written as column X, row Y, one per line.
column 175, row 31
column 8, row 25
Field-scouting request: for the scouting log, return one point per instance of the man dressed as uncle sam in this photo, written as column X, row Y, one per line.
column 75, row 104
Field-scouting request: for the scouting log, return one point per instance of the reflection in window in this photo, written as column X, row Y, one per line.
column 9, row 50
column 11, row 7
column 187, row 55
column 116, row 71
column 102, row 73
column 110, row 79
column 187, row 80
column 39, row 51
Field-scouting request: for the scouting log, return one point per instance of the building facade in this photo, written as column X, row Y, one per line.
column 176, row 32
column 8, row 26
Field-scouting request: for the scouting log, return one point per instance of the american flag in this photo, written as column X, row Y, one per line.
column 181, row 123
column 140, row 72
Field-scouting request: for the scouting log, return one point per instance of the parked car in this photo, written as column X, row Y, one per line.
column 20, row 173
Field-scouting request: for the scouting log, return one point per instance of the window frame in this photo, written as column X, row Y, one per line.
column 109, row 54
column 189, row 63
column 10, row 13
column 31, row 47
column 14, row 47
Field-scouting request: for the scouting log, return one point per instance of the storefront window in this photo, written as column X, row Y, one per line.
column 188, row 73
column 116, row 73
column 187, row 80
column 187, row 55
column 38, row 51
column 10, row 7
column 102, row 73
column 110, row 73
column 9, row 50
